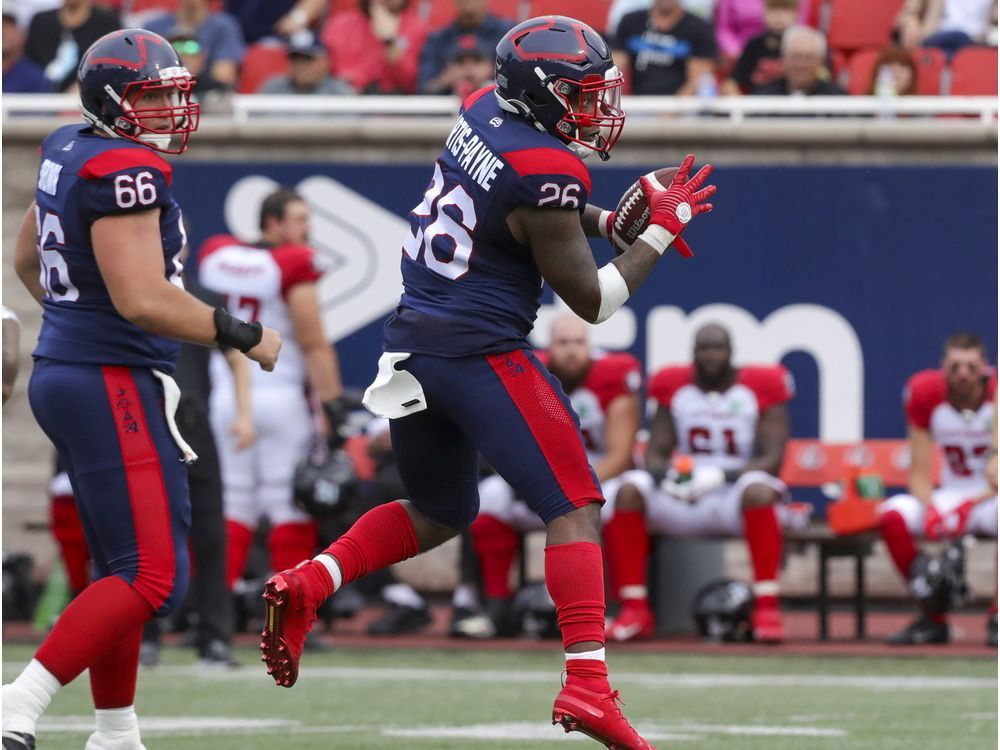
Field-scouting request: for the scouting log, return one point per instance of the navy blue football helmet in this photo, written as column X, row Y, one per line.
column 722, row 610
column 133, row 85
column 558, row 73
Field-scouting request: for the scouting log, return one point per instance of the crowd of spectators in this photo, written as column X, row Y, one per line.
column 664, row 47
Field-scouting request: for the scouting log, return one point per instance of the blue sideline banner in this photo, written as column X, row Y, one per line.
column 853, row 277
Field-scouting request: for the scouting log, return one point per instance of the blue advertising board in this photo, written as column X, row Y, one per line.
column 853, row 277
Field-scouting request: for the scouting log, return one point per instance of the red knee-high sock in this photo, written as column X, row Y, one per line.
column 626, row 544
column 112, row 677
column 574, row 574
column 291, row 543
column 382, row 536
column 238, row 540
column 496, row 544
column 68, row 531
column 899, row 541
column 105, row 613
column 763, row 535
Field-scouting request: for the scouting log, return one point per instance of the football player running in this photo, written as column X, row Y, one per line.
column 506, row 207
column 98, row 250
column 951, row 407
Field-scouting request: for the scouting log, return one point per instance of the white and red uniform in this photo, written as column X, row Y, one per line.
column 255, row 281
column 964, row 437
column 716, row 429
column 611, row 375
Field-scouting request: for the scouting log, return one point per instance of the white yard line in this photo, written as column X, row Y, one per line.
column 519, row 731
column 662, row 680
column 198, row 726
column 692, row 680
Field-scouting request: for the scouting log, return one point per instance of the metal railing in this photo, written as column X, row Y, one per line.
column 246, row 108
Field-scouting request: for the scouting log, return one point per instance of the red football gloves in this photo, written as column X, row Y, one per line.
column 674, row 207
column 950, row 525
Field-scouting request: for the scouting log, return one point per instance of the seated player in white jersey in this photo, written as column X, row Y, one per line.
column 603, row 388
column 734, row 424
column 274, row 281
column 952, row 408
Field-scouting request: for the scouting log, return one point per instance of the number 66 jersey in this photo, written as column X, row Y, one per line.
column 469, row 286
column 82, row 178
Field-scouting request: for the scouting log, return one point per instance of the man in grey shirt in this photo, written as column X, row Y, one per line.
column 309, row 70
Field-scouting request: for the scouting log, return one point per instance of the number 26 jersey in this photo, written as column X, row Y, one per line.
column 82, row 178
column 468, row 286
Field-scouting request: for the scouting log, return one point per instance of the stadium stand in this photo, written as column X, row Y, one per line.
column 264, row 60
column 591, row 12
column 860, row 23
column 974, row 72
column 860, row 70
column 439, row 13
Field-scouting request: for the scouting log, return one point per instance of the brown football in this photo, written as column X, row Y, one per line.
column 632, row 214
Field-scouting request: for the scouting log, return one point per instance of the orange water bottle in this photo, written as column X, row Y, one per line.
column 684, row 468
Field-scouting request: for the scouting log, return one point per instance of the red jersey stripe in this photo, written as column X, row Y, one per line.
column 117, row 159
column 146, row 489
column 548, row 161
column 551, row 424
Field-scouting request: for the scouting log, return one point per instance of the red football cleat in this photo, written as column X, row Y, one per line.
column 767, row 625
column 633, row 623
column 596, row 715
column 291, row 598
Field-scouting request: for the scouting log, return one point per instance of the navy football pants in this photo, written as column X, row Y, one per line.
column 510, row 409
column 128, row 478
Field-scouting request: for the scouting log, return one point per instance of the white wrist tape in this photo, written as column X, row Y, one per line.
column 657, row 237
column 614, row 291
column 602, row 224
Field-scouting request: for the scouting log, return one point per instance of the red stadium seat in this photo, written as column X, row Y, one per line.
column 861, row 23
column 263, row 61
column 974, row 72
column 930, row 66
column 929, row 62
column 594, row 13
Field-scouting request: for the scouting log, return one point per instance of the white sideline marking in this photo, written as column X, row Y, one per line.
column 172, row 725
column 511, row 731
column 758, row 730
column 681, row 680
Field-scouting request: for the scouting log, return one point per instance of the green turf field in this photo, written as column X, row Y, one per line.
column 365, row 700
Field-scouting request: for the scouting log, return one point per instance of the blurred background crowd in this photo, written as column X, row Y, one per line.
column 664, row 47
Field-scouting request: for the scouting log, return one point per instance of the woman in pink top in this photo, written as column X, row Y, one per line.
column 736, row 21
column 376, row 47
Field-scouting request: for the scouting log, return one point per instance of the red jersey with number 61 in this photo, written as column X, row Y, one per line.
column 964, row 436
column 718, row 428
column 255, row 281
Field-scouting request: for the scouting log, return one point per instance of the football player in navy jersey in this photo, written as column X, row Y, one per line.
column 98, row 250
column 506, row 208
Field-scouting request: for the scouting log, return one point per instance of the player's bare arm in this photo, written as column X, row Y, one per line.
column 773, row 432
column 26, row 263
column 129, row 254
column 322, row 366
column 595, row 221
column 563, row 256
column 242, row 428
column 624, row 416
column 921, row 464
column 662, row 443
